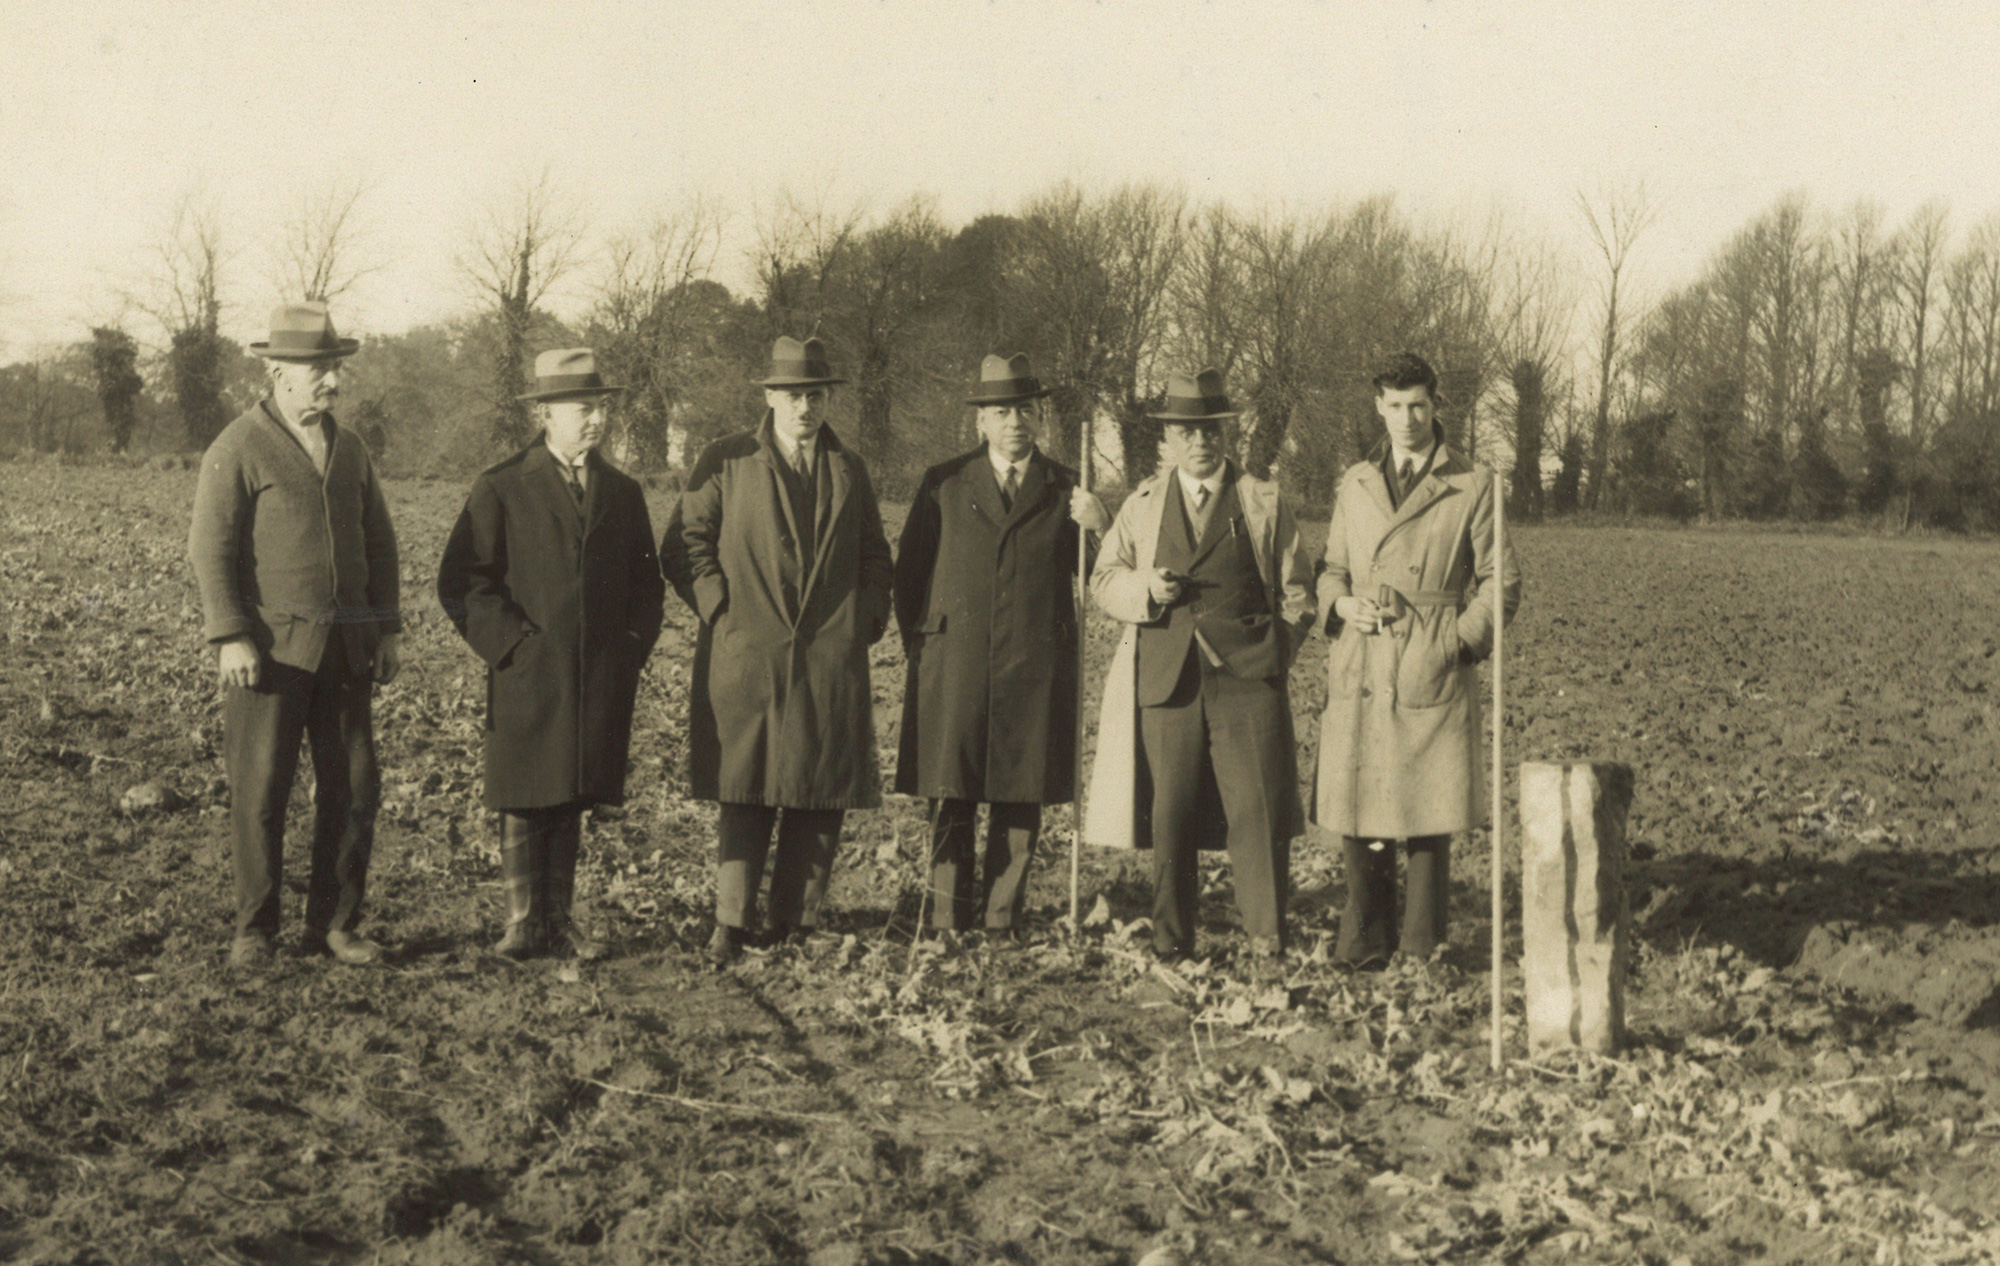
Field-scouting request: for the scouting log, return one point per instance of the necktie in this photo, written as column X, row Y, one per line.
column 573, row 476
column 1010, row 489
column 802, row 465
column 1406, row 474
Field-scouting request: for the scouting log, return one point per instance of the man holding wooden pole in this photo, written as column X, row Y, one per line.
column 1407, row 591
column 989, row 624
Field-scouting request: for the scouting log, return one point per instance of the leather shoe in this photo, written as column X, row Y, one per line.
column 569, row 939
column 250, row 951
column 353, row 949
column 726, row 945
column 1005, row 940
column 805, row 938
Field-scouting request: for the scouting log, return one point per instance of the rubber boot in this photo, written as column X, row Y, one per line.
column 564, row 838
column 1368, row 924
column 521, row 852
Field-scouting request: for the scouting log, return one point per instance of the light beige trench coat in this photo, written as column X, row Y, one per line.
column 1400, row 739
column 1113, row 813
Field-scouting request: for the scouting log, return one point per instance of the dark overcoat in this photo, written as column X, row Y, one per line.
column 779, row 709
column 987, row 610
column 563, row 601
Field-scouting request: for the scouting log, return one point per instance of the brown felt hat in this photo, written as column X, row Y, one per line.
column 796, row 364
column 1006, row 380
column 566, row 373
column 1193, row 399
column 304, row 331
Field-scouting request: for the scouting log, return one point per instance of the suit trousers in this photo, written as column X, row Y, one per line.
column 1227, row 731
column 807, row 839
column 1368, row 924
column 959, row 901
column 262, row 729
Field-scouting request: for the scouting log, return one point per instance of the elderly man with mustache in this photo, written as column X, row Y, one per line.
column 296, row 562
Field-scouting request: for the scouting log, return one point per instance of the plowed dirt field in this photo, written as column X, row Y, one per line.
column 1815, row 1076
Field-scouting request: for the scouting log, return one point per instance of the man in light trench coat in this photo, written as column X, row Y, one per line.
column 1407, row 591
column 550, row 577
column 1205, row 567
column 777, row 546
column 988, row 615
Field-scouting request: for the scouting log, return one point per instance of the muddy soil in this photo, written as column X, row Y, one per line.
column 1816, row 1033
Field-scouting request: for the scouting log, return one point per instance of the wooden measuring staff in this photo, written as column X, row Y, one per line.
column 1082, row 647
column 1499, row 678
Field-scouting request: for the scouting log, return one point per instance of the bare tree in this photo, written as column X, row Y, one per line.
column 1918, row 277
column 884, row 296
column 802, row 247
column 1615, row 219
column 518, row 248
column 650, row 324
column 319, row 251
column 1532, row 303
column 183, row 295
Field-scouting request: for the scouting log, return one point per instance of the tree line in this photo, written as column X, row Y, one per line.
column 1823, row 364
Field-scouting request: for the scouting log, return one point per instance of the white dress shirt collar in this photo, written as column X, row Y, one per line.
column 1001, row 465
column 1213, row 483
column 1420, row 460
column 790, row 449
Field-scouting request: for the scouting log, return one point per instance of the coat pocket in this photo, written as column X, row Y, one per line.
column 1429, row 674
column 1345, row 664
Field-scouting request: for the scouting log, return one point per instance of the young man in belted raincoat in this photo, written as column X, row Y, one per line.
column 1407, row 591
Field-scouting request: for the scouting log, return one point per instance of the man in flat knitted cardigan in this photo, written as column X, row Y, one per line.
column 296, row 562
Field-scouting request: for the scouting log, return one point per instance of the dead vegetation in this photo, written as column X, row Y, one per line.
column 1814, row 999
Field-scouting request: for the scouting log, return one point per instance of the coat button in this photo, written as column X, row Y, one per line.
column 1366, row 692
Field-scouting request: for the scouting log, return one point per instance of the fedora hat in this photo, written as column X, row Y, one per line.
column 304, row 331
column 568, row 372
column 1195, row 398
column 1006, row 380
column 796, row 364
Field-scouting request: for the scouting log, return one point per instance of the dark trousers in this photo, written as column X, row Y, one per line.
column 959, row 900
column 262, row 727
column 538, row 852
column 1368, row 925
column 807, row 839
column 1228, row 731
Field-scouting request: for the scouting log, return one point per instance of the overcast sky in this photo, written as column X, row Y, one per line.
column 109, row 111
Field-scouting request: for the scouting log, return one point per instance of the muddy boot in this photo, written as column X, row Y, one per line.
column 564, row 837
column 521, row 853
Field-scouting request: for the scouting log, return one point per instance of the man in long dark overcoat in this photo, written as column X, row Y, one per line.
column 296, row 562
column 777, row 546
column 1410, row 592
column 551, row 577
column 987, row 611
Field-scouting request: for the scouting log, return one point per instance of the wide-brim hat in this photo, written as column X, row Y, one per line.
column 1006, row 380
column 1193, row 399
column 568, row 373
column 304, row 331
column 796, row 364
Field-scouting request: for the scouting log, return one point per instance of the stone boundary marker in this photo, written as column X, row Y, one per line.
column 1574, row 926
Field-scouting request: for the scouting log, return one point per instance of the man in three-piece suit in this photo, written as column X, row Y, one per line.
column 1408, row 592
column 550, row 576
column 777, row 546
column 989, row 624
column 1205, row 567
column 296, row 562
